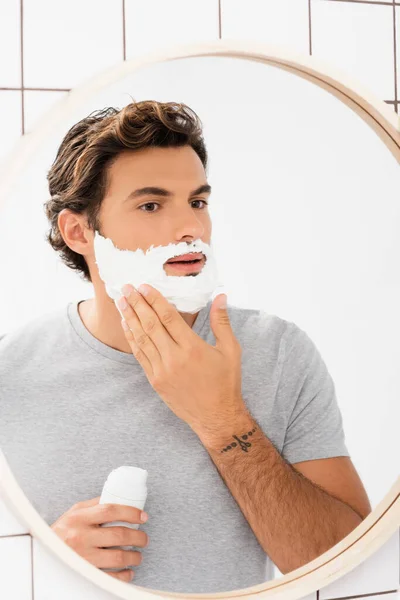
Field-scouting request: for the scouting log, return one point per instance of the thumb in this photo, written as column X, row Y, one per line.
column 219, row 320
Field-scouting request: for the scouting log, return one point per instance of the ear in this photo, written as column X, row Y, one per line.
column 75, row 231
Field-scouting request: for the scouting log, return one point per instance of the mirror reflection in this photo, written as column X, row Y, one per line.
column 254, row 434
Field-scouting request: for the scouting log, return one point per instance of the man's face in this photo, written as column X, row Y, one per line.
column 175, row 212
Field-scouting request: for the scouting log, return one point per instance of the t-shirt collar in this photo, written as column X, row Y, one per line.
column 112, row 353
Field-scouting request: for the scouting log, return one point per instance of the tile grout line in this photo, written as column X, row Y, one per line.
column 13, row 535
column 33, row 89
column 18, row 89
column 123, row 30
column 387, row 3
column 395, row 57
column 371, row 595
column 21, row 30
column 33, row 577
column 393, row 3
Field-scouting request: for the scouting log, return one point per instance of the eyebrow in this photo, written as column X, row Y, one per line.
column 157, row 191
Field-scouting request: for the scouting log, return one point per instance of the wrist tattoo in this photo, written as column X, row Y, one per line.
column 243, row 444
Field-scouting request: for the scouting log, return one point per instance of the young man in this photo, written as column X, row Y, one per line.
column 242, row 440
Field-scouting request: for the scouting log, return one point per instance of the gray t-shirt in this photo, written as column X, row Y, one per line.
column 72, row 409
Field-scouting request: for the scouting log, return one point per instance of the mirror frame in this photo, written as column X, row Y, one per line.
column 384, row 520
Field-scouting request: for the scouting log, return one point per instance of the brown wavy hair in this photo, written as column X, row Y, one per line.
column 78, row 178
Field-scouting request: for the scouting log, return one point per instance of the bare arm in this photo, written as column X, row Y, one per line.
column 293, row 518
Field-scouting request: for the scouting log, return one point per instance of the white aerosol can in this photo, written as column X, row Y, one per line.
column 128, row 486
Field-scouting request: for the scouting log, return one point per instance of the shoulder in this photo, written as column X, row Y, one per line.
column 284, row 340
column 38, row 335
column 258, row 324
column 259, row 333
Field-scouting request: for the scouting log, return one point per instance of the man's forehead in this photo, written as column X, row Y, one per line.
column 130, row 172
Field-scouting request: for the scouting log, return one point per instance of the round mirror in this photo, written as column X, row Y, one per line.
column 304, row 216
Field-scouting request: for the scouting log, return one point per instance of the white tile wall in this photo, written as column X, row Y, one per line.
column 357, row 38
column 9, row 524
column 10, row 50
column 10, row 105
column 277, row 23
column 153, row 25
column 55, row 581
column 37, row 103
column 15, row 568
column 67, row 42
column 397, row 20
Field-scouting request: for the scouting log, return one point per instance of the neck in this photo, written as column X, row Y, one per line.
column 102, row 319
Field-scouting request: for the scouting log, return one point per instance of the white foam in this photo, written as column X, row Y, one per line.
column 188, row 294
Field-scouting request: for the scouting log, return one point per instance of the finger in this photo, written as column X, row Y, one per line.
column 106, row 537
column 149, row 320
column 136, row 351
column 117, row 558
column 125, row 575
column 87, row 503
column 167, row 314
column 221, row 325
column 107, row 513
column 142, row 340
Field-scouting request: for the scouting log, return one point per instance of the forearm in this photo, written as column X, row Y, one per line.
column 293, row 519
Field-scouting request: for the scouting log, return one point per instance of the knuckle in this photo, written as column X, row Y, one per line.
column 157, row 381
column 137, row 353
column 134, row 301
column 120, row 558
column 149, row 326
column 224, row 318
column 107, row 512
column 141, row 339
column 72, row 518
column 167, row 317
column 194, row 352
column 72, row 537
column 120, row 537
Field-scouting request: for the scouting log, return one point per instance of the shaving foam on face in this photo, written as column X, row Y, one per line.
column 188, row 294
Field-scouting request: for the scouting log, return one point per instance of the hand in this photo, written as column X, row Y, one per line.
column 80, row 529
column 200, row 383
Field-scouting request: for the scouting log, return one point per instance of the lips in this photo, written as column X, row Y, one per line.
column 186, row 257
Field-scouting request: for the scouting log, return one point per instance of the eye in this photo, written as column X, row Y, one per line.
column 149, row 204
column 206, row 203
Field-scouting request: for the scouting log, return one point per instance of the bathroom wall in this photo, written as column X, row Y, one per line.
column 48, row 47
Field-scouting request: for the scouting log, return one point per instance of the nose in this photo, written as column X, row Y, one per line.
column 188, row 224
